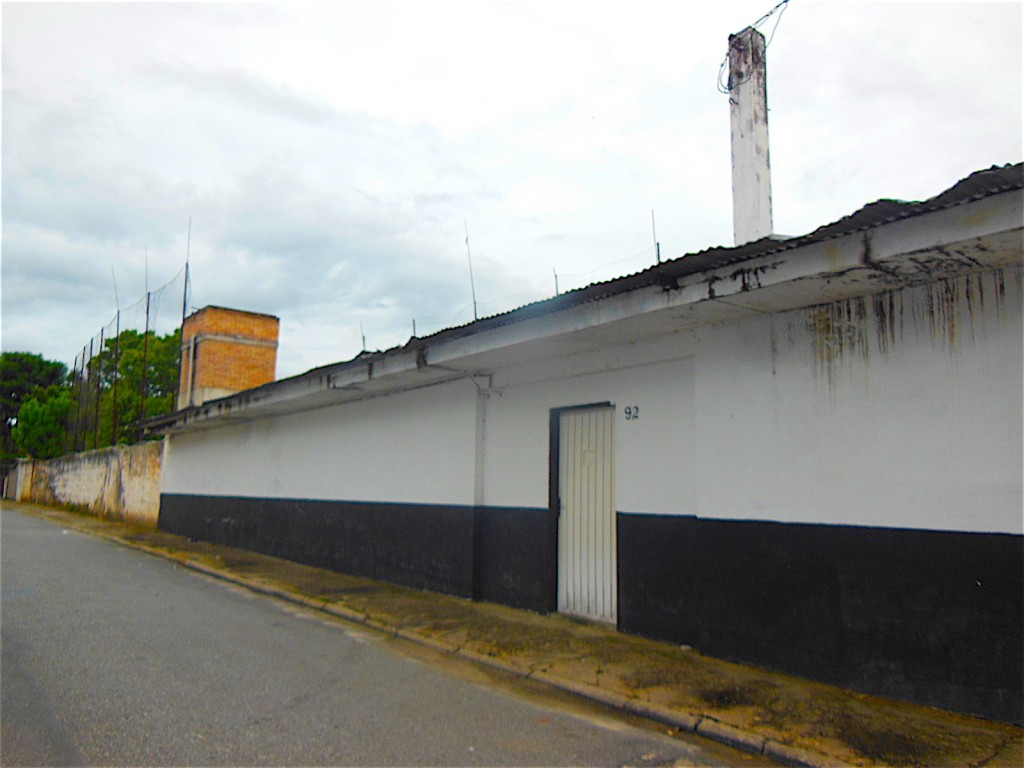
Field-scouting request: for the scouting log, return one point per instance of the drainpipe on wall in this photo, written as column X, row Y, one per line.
column 748, row 115
column 481, row 437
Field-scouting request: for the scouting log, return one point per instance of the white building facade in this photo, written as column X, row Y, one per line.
column 804, row 454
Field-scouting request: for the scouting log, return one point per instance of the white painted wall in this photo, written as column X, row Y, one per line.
column 416, row 447
column 816, row 416
column 658, row 443
column 796, row 417
column 926, row 434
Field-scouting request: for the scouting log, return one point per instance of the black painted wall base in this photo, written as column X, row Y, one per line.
column 932, row 617
column 485, row 553
column 928, row 616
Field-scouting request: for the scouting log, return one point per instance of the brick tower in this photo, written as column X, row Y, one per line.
column 224, row 351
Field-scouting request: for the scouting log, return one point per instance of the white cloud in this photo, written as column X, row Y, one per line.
column 329, row 155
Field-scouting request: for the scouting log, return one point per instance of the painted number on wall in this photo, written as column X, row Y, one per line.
column 632, row 412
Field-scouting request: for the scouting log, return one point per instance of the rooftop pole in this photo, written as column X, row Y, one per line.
column 748, row 117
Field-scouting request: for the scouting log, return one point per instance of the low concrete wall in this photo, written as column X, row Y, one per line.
column 121, row 482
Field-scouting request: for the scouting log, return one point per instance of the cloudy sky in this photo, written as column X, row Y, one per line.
column 331, row 157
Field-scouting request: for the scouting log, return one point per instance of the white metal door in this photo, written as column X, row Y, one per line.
column 586, row 527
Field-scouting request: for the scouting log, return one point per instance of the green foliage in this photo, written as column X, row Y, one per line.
column 42, row 421
column 21, row 373
column 99, row 407
column 129, row 350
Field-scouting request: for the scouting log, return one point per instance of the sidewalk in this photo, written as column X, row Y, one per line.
column 788, row 719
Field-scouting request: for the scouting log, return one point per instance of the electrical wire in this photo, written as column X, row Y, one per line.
column 724, row 86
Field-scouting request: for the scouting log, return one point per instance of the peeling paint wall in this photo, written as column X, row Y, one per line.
column 121, row 482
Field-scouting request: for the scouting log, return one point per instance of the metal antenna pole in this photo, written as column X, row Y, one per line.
column 469, row 256
column 67, row 431
column 145, row 373
column 92, row 375
column 117, row 361
column 188, row 245
column 117, row 375
column 184, row 314
column 99, row 389
column 81, row 398
column 654, row 233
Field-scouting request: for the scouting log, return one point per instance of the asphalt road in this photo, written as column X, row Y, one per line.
column 113, row 657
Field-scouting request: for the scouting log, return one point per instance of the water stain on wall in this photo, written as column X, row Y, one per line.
column 946, row 311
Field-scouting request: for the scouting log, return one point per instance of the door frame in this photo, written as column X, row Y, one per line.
column 555, row 503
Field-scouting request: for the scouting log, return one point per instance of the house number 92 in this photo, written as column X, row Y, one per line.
column 632, row 412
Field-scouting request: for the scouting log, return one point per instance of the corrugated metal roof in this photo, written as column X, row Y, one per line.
column 978, row 185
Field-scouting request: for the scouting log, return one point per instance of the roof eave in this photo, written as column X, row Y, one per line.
column 882, row 246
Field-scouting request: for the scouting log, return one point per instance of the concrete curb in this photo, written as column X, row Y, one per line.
column 684, row 721
column 701, row 725
column 731, row 735
column 342, row 612
column 430, row 642
column 795, row 756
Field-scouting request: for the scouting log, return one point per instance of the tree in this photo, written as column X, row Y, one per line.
column 101, row 405
column 21, row 373
column 42, row 420
column 127, row 377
